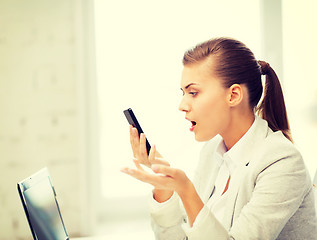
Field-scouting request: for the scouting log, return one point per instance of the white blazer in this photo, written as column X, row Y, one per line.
column 270, row 197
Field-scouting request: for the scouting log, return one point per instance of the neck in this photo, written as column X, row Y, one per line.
column 237, row 127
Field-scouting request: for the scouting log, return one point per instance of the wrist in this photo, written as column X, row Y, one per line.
column 191, row 201
column 161, row 195
column 186, row 190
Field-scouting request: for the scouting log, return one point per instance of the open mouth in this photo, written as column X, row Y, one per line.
column 193, row 126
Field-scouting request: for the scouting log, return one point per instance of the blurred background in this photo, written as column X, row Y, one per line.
column 68, row 68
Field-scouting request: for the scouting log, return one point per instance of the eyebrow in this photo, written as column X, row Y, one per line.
column 187, row 86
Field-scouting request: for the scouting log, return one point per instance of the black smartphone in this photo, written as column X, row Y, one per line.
column 134, row 122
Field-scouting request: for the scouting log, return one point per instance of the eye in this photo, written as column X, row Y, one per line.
column 193, row 93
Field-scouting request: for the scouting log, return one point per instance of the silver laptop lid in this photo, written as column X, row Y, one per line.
column 39, row 201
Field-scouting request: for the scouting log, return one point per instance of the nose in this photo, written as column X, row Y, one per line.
column 183, row 106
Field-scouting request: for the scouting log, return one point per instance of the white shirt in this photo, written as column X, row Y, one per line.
column 228, row 161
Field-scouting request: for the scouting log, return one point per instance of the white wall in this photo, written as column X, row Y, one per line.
column 41, row 110
column 300, row 78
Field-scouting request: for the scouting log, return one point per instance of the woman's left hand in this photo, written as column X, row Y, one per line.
column 164, row 177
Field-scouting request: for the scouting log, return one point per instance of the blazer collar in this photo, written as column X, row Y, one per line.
column 237, row 156
column 242, row 150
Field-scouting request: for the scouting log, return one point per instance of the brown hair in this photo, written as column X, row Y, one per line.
column 236, row 64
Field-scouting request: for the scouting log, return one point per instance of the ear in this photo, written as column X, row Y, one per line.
column 235, row 95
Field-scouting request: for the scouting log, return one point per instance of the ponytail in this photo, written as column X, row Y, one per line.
column 272, row 108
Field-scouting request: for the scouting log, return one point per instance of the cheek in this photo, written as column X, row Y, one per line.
column 214, row 116
column 212, row 107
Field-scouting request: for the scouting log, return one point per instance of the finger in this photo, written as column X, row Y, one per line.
column 137, row 164
column 134, row 137
column 134, row 140
column 153, row 159
column 142, row 148
column 158, row 155
column 138, row 174
column 160, row 162
column 166, row 170
column 127, row 170
column 152, row 154
column 157, row 181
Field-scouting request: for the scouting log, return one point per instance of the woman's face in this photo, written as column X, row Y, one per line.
column 205, row 101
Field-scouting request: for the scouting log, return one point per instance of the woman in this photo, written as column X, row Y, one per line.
column 250, row 183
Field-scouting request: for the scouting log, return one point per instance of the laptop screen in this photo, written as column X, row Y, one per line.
column 40, row 204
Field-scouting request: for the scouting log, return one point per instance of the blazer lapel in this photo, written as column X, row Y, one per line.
column 209, row 190
column 232, row 196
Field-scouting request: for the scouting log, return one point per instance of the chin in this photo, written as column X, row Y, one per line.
column 200, row 139
column 203, row 138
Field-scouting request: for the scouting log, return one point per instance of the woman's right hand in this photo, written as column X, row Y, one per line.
column 138, row 145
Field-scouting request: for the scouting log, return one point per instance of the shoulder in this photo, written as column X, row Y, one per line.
column 280, row 161
column 277, row 147
column 273, row 153
column 270, row 146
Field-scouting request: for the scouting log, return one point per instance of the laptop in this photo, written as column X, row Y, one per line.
column 41, row 208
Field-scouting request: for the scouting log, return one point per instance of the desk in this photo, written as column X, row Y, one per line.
column 89, row 238
column 122, row 236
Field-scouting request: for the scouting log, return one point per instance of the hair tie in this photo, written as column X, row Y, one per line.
column 265, row 67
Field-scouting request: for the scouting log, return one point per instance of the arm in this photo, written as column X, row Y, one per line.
column 168, row 180
column 168, row 219
column 191, row 202
column 185, row 190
